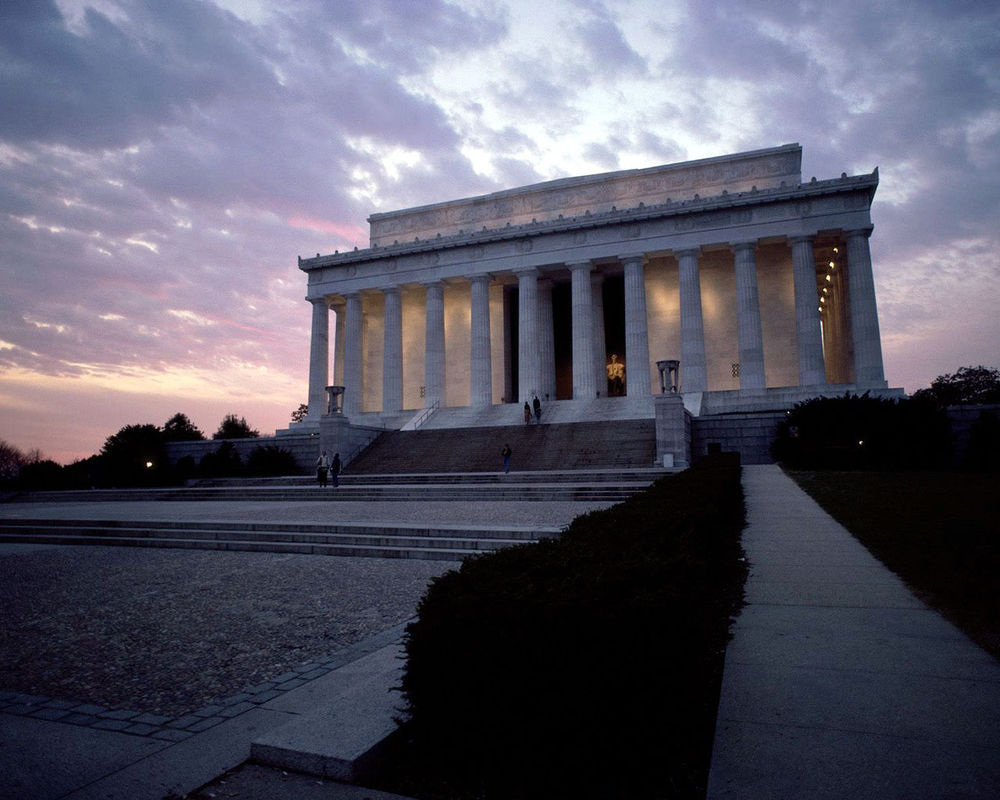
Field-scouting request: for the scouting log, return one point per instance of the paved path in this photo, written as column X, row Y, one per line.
column 839, row 683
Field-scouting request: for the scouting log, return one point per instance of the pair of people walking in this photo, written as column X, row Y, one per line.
column 538, row 411
column 325, row 467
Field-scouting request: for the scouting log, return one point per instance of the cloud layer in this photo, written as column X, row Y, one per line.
column 162, row 164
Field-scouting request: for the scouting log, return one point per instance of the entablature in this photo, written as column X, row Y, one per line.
column 803, row 210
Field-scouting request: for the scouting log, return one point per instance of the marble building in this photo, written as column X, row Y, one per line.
column 758, row 283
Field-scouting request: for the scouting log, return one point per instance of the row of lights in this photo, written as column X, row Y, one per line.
column 829, row 280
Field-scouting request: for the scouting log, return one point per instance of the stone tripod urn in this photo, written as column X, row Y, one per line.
column 335, row 396
column 669, row 373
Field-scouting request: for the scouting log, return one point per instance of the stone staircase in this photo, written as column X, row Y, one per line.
column 621, row 444
column 367, row 540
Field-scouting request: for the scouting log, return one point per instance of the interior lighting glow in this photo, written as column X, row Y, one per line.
column 829, row 279
column 831, row 265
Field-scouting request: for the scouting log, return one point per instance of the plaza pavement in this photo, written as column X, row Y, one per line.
column 838, row 683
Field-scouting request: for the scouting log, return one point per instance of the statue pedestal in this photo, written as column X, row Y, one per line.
column 673, row 431
column 333, row 434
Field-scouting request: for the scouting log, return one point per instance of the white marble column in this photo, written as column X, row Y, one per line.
column 319, row 357
column 528, row 365
column 868, row 369
column 353, row 355
column 694, row 371
column 481, row 366
column 637, row 380
column 751, row 339
column 582, row 331
column 434, row 363
column 338, row 354
column 808, row 335
column 392, row 354
column 600, row 345
column 546, row 342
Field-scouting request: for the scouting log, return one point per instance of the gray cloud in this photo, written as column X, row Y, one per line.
column 162, row 165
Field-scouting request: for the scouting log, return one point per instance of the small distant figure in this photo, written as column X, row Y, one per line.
column 538, row 410
column 322, row 466
column 335, row 469
column 506, row 453
column 527, row 413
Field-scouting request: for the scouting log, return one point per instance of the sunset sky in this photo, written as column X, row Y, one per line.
column 162, row 164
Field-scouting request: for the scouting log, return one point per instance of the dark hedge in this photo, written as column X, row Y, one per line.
column 588, row 665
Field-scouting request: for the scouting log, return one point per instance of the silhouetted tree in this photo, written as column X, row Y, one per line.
column 135, row 456
column 968, row 386
column 11, row 461
column 233, row 428
column 299, row 414
column 180, row 429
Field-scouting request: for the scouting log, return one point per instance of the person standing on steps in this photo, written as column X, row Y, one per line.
column 506, row 453
column 527, row 413
column 335, row 469
column 322, row 465
column 538, row 410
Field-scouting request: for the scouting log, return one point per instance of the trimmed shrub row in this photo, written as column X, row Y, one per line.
column 587, row 665
column 863, row 432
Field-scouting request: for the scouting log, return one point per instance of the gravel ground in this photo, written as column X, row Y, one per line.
column 165, row 631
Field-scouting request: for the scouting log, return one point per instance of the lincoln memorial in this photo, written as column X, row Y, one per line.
column 727, row 282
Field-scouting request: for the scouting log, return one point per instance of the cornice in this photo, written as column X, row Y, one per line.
column 799, row 192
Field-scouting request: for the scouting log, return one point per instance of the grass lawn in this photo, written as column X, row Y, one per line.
column 939, row 531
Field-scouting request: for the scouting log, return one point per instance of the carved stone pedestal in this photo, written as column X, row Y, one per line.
column 333, row 435
column 673, row 431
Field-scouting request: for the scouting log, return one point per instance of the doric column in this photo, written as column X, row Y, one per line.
column 528, row 366
column 434, row 363
column 600, row 345
column 637, row 383
column 808, row 335
column 751, row 339
column 353, row 355
column 694, row 372
column 582, row 331
column 319, row 357
column 480, row 367
column 546, row 342
column 392, row 354
column 338, row 354
column 868, row 370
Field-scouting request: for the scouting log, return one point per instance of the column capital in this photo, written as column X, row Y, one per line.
column 391, row 289
column 745, row 245
column 632, row 258
column 320, row 301
column 483, row 277
column 526, row 272
column 435, row 282
column 807, row 238
column 866, row 231
column 687, row 251
column 587, row 265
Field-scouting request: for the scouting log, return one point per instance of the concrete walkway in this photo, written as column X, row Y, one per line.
column 838, row 682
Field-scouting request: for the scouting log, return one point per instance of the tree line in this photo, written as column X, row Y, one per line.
column 136, row 455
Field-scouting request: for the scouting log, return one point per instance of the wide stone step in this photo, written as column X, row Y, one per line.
column 422, row 492
column 578, row 477
column 372, row 541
